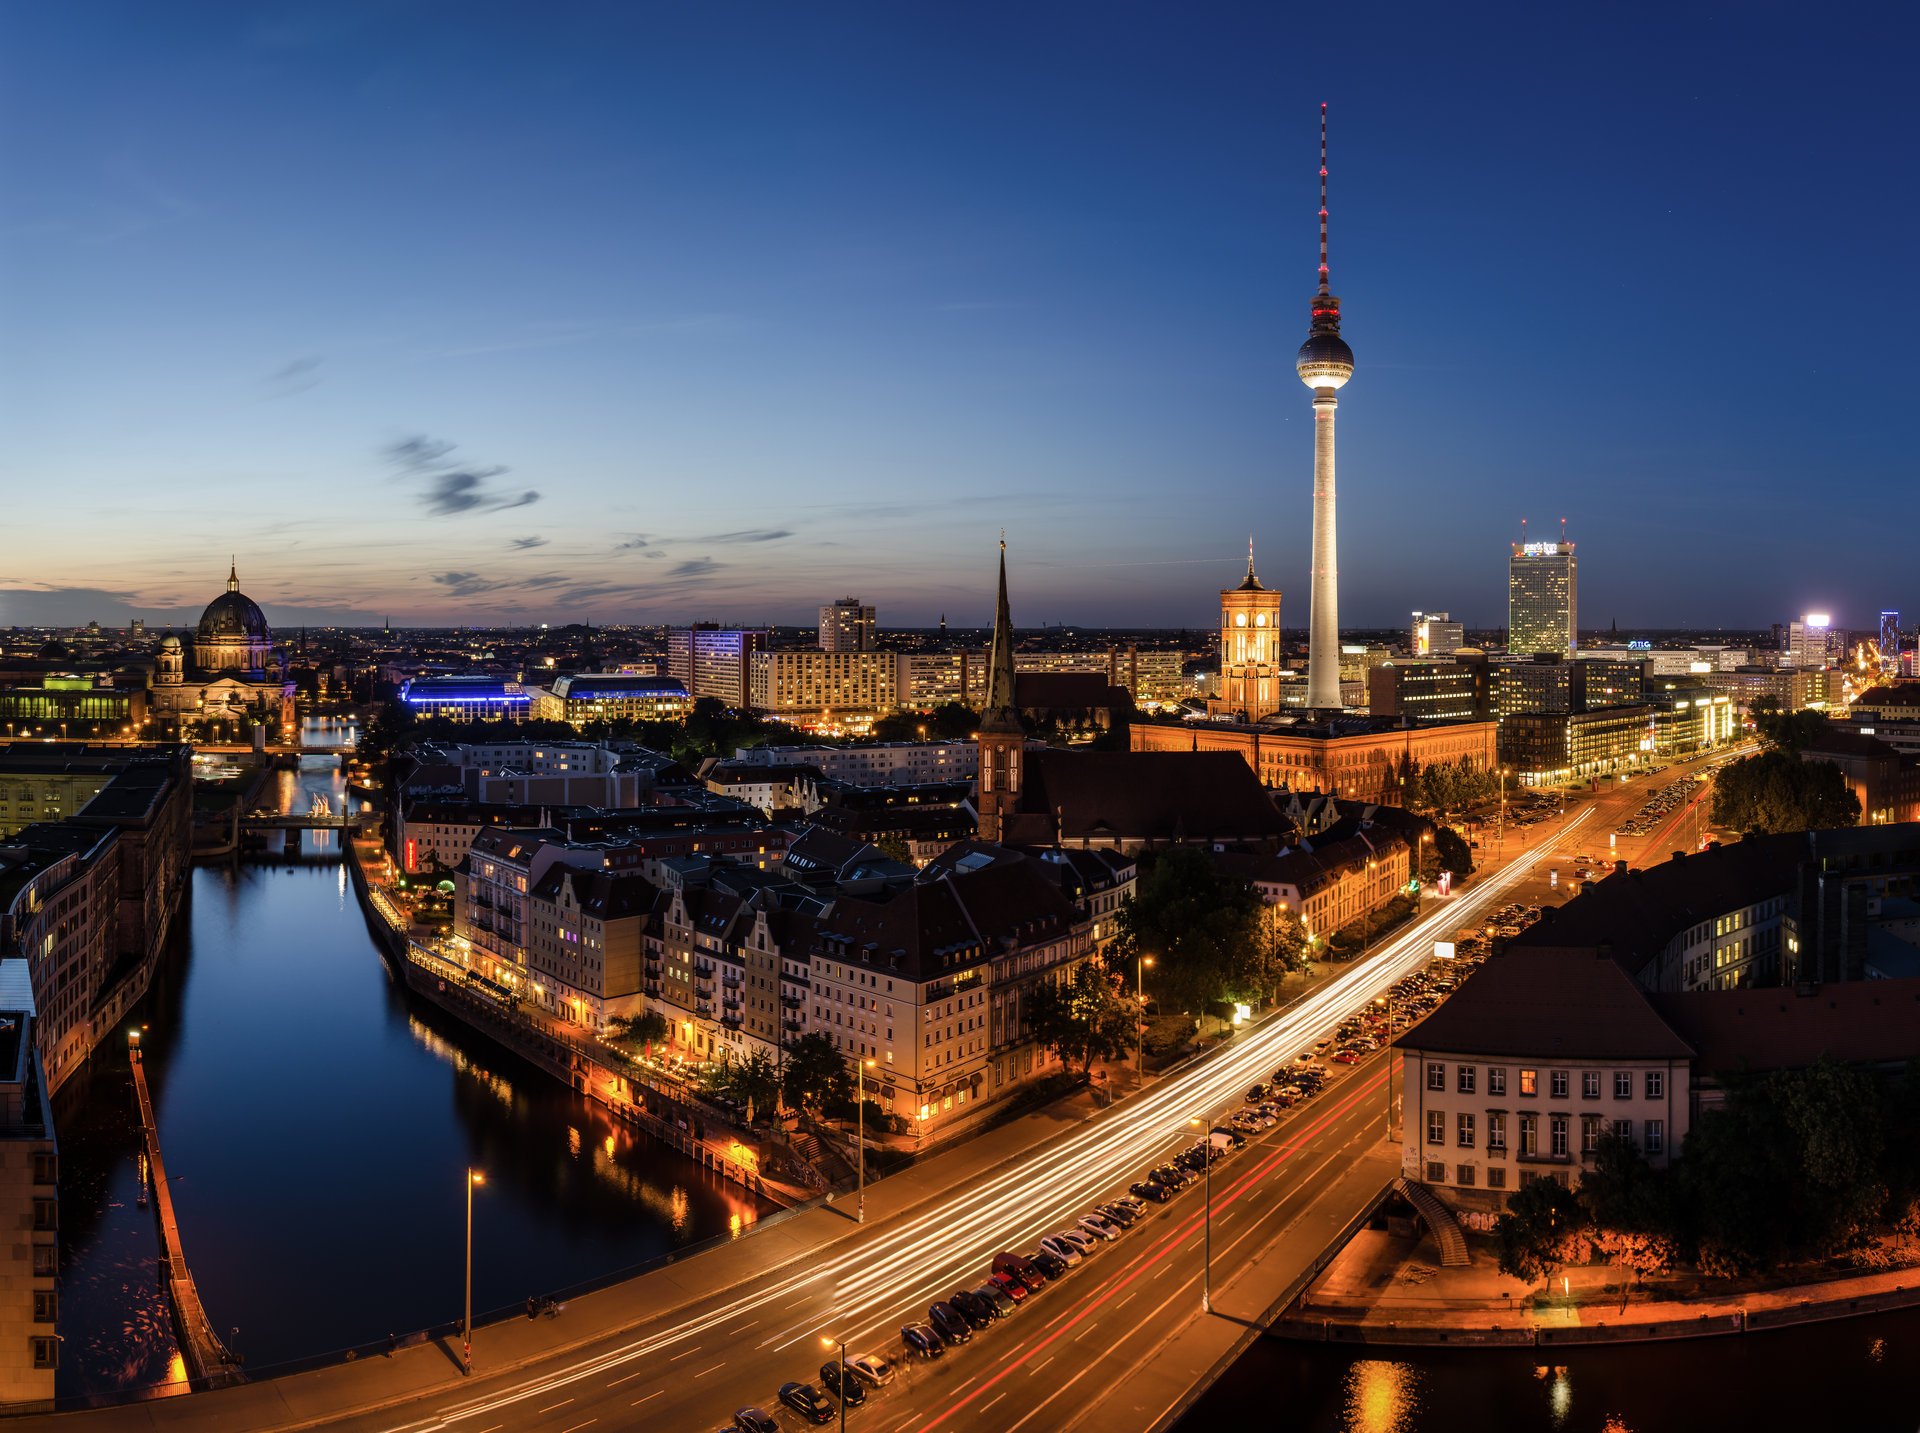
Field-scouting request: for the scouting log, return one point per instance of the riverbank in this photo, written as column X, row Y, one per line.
column 1388, row 1288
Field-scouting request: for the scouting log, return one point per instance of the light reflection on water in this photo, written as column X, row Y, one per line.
column 1381, row 1396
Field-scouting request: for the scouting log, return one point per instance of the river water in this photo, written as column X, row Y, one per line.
column 318, row 1123
column 1857, row 1375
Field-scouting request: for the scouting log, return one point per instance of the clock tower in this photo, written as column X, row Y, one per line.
column 1249, row 650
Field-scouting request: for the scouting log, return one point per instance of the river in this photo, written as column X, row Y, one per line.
column 318, row 1123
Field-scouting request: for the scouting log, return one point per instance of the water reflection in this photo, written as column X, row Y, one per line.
column 1381, row 1397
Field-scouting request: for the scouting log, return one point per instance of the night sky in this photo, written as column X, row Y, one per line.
column 642, row 312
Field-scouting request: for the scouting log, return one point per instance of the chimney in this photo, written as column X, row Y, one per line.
column 1619, row 868
column 1679, row 855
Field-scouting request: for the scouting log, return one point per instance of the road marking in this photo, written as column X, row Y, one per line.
column 628, row 1379
column 561, row 1404
column 1042, row 1364
column 990, row 1402
column 1123, row 1303
column 575, row 1427
column 648, row 1399
column 1091, row 1326
column 744, row 1327
column 705, row 1371
column 1163, row 1271
column 684, row 1353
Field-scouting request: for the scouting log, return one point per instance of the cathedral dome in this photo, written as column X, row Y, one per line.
column 233, row 615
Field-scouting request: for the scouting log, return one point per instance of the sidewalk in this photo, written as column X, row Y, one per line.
column 1389, row 1288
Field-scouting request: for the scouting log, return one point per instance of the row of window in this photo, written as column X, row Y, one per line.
column 1465, row 1130
column 1467, row 1078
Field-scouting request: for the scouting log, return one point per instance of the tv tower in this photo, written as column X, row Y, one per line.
column 1324, row 364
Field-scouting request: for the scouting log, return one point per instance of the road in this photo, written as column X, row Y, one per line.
column 692, row 1353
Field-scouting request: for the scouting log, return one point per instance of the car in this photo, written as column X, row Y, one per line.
column 840, row 1381
column 809, row 1402
column 1259, row 1092
column 922, row 1341
column 872, row 1370
column 976, row 1312
column 1125, row 1215
column 1065, row 1250
column 1022, row 1271
column 1346, row 1057
column 1010, row 1285
column 754, row 1420
column 1085, row 1240
column 1052, row 1265
column 1232, row 1136
column 998, row 1299
column 950, row 1323
column 1101, row 1227
column 1172, row 1175
column 1151, row 1189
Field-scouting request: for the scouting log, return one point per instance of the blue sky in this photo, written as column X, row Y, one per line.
column 648, row 312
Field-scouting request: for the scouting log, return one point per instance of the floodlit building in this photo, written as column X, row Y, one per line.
column 1543, row 599
column 1435, row 634
column 846, row 626
column 578, row 700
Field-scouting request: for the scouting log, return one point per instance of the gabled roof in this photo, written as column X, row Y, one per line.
column 932, row 928
column 1147, row 795
column 1068, row 691
column 1548, row 1003
column 1867, row 1022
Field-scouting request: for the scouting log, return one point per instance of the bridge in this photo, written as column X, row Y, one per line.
column 307, row 821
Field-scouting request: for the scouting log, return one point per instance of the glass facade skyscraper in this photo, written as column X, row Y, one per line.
column 1542, row 599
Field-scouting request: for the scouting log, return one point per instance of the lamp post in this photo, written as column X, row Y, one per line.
column 1206, row 1262
column 1387, row 999
column 1140, row 1029
column 860, row 1113
column 474, row 1178
column 840, row 1392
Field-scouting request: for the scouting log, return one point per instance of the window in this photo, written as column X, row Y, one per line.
column 1656, row 1084
column 1436, row 1127
column 46, row 1168
column 1496, row 1132
column 1623, row 1084
column 1463, row 1131
column 1497, row 1080
column 1557, row 1128
column 46, row 1261
column 1464, row 1173
column 1589, row 1133
column 1590, row 1084
column 1436, row 1172
column 1529, row 1082
column 46, row 1214
column 1624, row 1128
column 1656, row 1136
column 1436, row 1076
column 1529, row 1136
column 46, row 1306
column 1497, row 1177
column 1466, row 1079
column 1560, row 1084
column 46, row 1352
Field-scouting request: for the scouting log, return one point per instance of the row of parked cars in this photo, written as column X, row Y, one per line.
column 1661, row 803
column 849, row 1382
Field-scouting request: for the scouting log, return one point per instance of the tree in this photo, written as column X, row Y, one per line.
column 1287, row 947
column 1205, row 930
column 1544, row 1228
column 897, row 846
column 1082, row 1018
column 753, row 1082
column 648, row 1028
column 1791, row 731
column 1447, row 851
column 816, row 1074
column 1779, row 791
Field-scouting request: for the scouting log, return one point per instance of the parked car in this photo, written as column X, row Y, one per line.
column 754, row 1420
column 1064, row 1250
column 1151, row 1189
column 1052, row 1265
column 809, row 1402
column 872, row 1370
column 1081, row 1239
column 922, row 1341
column 1101, row 1227
column 1172, row 1175
column 1232, row 1136
column 1125, row 1215
column 841, row 1382
column 1010, row 1285
column 1022, row 1268
column 950, row 1323
column 975, row 1311
column 1259, row 1092
column 998, row 1299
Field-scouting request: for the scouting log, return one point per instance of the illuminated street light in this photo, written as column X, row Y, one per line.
column 474, row 1179
column 860, row 1100
column 828, row 1341
column 1140, row 1030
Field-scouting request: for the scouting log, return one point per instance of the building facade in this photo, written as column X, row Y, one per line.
column 714, row 662
column 1435, row 634
column 800, row 684
column 582, row 699
column 1355, row 758
column 847, row 626
column 1543, row 607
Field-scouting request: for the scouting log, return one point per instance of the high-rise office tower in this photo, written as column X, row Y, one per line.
column 846, row 626
column 1890, row 639
column 1324, row 364
column 1435, row 634
column 1543, row 609
column 1809, row 641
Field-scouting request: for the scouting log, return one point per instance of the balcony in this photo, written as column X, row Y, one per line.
column 703, row 1008
column 794, row 1024
column 731, row 979
column 703, row 967
column 731, row 1019
column 792, row 1002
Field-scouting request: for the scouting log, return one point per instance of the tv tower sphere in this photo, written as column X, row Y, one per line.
column 1324, row 361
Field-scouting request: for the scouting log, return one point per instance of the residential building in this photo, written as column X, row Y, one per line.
column 874, row 763
column 801, row 684
column 584, row 943
column 1543, row 606
column 846, row 626
column 29, row 1205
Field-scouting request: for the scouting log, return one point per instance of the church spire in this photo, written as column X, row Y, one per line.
column 233, row 574
column 1249, row 556
column 1001, row 713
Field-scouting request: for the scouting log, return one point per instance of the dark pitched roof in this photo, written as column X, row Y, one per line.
column 1548, row 1003
column 1635, row 913
column 1857, row 1022
column 1148, row 795
column 1068, row 691
column 932, row 928
column 1838, row 741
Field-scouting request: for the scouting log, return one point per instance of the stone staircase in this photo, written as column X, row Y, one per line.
column 1438, row 1218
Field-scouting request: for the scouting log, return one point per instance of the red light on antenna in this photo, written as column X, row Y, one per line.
column 1323, row 104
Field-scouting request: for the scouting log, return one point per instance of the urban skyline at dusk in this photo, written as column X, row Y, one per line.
column 580, row 325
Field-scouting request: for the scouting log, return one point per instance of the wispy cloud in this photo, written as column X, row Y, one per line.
column 631, row 544
column 296, row 377
column 693, row 567
column 521, row 544
column 451, row 489
column 463, row 584
column 751, row 534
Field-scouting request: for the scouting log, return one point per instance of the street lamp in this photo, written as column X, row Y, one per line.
column 1206, row 1264
column 860, row 1100
column 840, row 1393
column 1140, row 1029
column 474, row 1179
column 1387, row 999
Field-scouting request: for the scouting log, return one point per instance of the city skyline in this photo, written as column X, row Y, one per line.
column 500, row 308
